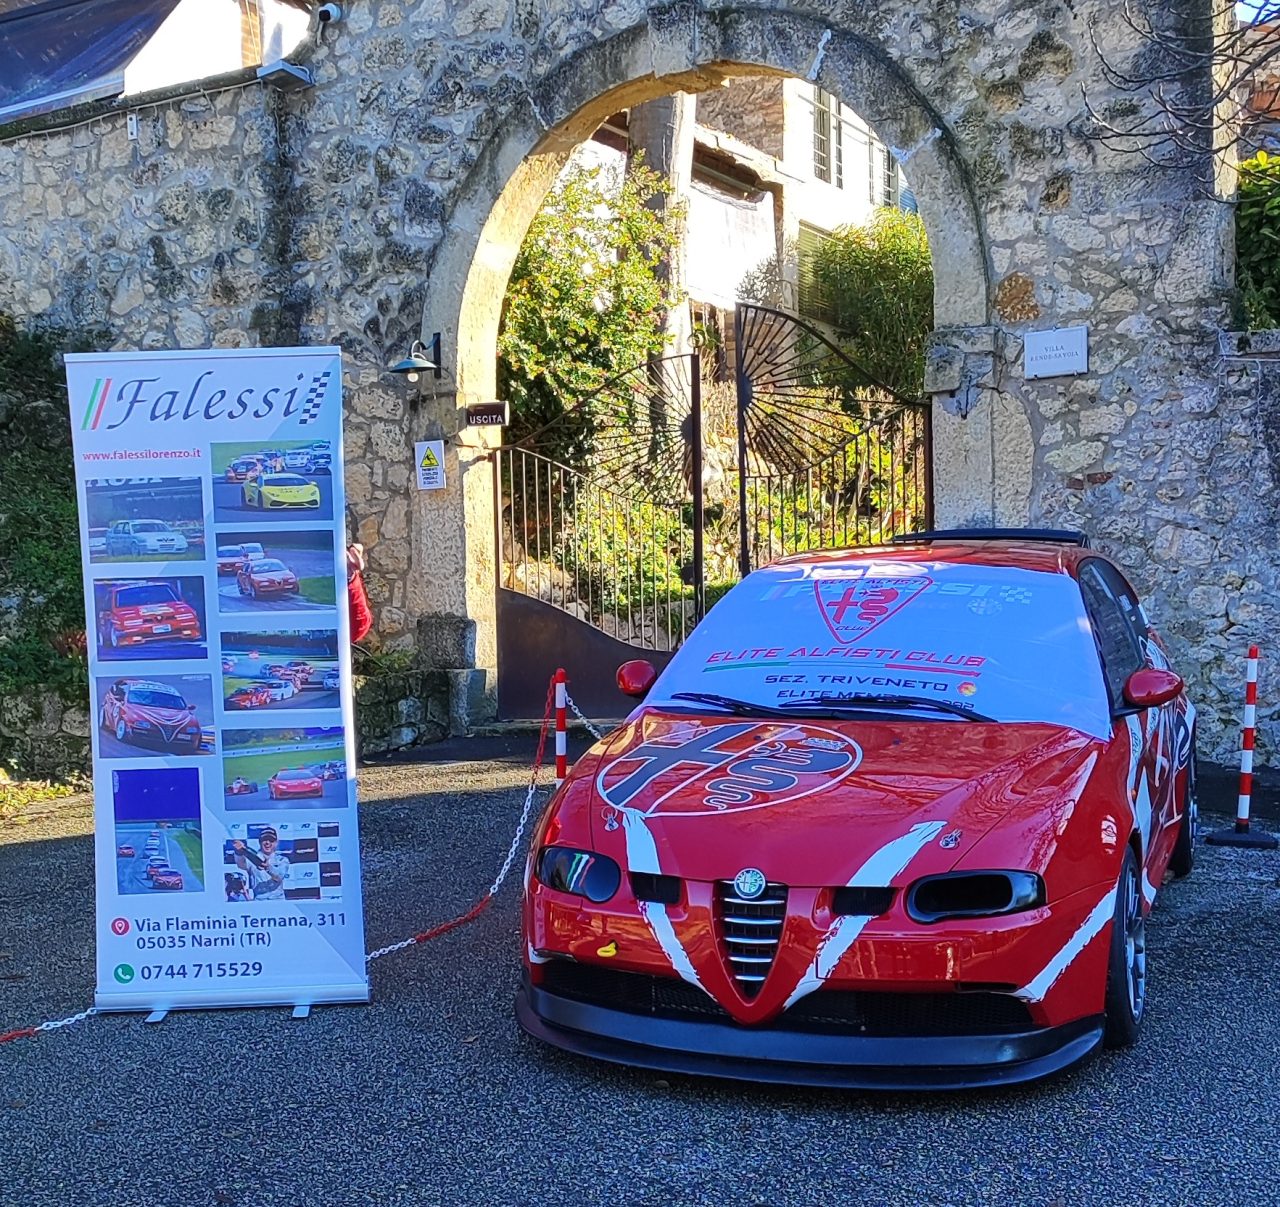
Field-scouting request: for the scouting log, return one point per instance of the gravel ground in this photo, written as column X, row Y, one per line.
column 430, row 1095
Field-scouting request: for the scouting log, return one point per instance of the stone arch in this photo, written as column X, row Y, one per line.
column 677, row 47
column 502, row 192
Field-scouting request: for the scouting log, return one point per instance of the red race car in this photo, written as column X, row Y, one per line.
column 891, row 817
column 152, row 714
column 265, row 577
column 126, row 852
column 134, row 612
column 294, row 781
column 252, row 696
column 167, row 878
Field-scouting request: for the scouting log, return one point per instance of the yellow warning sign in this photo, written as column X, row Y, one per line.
column 429, row 455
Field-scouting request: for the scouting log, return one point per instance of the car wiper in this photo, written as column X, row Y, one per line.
column 872, row 702
column 740, row 708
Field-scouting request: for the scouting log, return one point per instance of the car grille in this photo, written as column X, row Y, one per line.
column 825, row 1011
column 750, row 930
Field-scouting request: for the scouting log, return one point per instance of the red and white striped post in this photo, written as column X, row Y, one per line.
column 1247, row 740
column 1241, row 835
column 562, row 728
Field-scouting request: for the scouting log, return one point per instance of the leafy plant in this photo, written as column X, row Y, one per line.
column 42, row 621
column 1258, row 241
column 583, row 302
column 877, row 281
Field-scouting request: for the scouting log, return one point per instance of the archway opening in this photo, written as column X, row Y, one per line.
column 850, row 93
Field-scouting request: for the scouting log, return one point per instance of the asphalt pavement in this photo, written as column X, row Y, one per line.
column 430, row 1095
column 228, row 504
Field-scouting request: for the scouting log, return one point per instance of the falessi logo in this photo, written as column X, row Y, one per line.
column 138, row 400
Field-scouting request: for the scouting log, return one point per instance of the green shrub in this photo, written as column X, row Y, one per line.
column 41, row 588
column 1258, row 241
column 876, row 282
column 583, row 303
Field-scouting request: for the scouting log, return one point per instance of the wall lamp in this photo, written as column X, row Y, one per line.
column 421, row 359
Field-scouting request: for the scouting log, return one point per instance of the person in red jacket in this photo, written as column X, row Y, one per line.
column 361, row 613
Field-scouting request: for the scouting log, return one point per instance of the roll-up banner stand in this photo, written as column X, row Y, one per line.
column 212, row 536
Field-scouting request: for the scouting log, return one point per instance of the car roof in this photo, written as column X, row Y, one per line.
column 1021, row 553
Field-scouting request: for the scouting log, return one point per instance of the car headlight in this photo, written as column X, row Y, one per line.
column 974, row 895
column 582, row 873
column 140, row 724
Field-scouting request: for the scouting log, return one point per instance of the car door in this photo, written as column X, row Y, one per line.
column 1123, row 636
column 1167, row 729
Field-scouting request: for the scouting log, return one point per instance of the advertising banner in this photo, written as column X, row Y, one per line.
column 212, row 535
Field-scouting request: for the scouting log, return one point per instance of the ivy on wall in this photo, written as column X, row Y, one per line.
column 41, row 589
column 1258, row 242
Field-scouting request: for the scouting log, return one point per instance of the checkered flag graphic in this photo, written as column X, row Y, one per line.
column 1019, row 595
column 315, row 397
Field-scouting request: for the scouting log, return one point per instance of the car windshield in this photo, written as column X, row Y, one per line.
column 1004, row 643
column 286, row 480
column 149, row 593
column 267, row 564
column 252, row 550
column 150, row 697
column 295, row 775
column 151, row 526
column 229, row 551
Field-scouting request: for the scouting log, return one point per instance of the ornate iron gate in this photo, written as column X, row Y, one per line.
column 618, row 520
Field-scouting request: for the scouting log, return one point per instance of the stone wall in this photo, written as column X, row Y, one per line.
column 43, row 737
column 390, row 200
column 750, row 110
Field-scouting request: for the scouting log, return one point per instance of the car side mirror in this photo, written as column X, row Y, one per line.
column 1150, row 688
column 636, row 677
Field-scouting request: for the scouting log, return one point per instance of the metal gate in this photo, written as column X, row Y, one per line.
column 621, row 521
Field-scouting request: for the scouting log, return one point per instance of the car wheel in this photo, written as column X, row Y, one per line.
column 1183, row 858
column 1127, row 967
column 122, row 730
column 113, row 637
column 253, row 591
column 103, row 723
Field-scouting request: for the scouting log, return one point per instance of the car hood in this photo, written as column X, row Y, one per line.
column 167, row 717
column 811, row 802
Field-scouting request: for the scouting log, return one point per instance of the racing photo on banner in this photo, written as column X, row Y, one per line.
column 282, row 861
column 301, row 768
column 279, row 570
column 145, row 519
column 296, row 668
column 149, row 618
column 278, row 481
column 157, row 831
column 156, row 715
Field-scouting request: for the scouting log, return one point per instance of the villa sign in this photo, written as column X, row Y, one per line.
column 1063, row 352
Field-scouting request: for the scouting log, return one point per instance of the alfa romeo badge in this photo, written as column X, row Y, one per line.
column 749, row 883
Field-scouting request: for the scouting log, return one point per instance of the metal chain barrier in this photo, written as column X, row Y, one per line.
column 512, row 852
column 577, row 712
column 425, row 936
column 53, row 1025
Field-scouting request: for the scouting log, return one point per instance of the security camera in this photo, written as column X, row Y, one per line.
column 329, row 12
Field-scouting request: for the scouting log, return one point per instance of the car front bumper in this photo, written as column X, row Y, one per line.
column 771, row 1054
